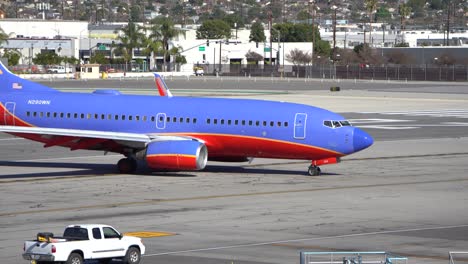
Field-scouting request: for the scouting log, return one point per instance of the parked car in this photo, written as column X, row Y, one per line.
column 59, row 69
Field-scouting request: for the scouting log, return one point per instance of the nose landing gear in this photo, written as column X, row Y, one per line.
column 314, row 170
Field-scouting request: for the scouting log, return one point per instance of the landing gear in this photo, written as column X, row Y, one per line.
column 127, row 165
column 314, row 170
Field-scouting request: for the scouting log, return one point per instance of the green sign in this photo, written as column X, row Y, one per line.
column 266, row 49
column 102, row 47
column 201, row 48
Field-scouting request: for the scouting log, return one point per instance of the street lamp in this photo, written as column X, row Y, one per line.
column 334, row 7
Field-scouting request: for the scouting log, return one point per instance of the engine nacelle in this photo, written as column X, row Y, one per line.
column 176, row 155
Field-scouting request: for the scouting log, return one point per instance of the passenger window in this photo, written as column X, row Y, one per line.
column 42, row 114
column 123, row 117
column 208, row 121
column 68, row 115
column 28, row 113
column 61, row 115
column 34, row 114
column 168, row 119
column 109, row 116
column 161, row 118
column 130, row 117
column 116, row 117
column 144, row 118
column 103, row 116
column 345, row 123
column 110, row 233
column 174, row 119
column 88, row 116
column 264, row 123
column 75, row 115
column 152, row 119
column 55, row 114
column 286, row 124
column 250, row 122
column 137, row 118
column 279, row 123
column 181, row 119
column 48, row 114
column 236, row 122
column 229, row 122
column 257, row 123
column 215, row 121
column 187, row 120
column 96, row 116
column 272, row 123
column 194, row 120
column 222, row 121
column 243, row 122
column 82, row 116
column 96, row 233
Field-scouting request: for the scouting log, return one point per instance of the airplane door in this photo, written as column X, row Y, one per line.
column 300, row 126
column 10, row 113
column 161, row 121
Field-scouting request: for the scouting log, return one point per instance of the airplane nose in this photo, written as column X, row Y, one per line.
column 361, row 140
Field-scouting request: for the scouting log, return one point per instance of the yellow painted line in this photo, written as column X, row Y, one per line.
column 148, row 234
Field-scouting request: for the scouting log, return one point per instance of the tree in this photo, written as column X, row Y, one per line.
column 214, row 29
column 131, row 37
column 257, row 33
column 371, row 6
column 382, row 14
column 13, row 57
column 297, row 57
column 99, row 58
column 47, row 58
column 253, row 57
column 163, row 30
column 3, row 37
column 404, row 10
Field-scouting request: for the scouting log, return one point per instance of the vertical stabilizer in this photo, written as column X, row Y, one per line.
column 11, row 82
column 161, row 85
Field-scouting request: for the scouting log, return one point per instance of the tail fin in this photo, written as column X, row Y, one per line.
column 12, row 82
column 161, row 85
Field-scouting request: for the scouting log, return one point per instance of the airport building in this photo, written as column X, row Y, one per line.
column 79, row 39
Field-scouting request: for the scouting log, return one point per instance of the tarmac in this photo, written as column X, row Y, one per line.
column 405, row 195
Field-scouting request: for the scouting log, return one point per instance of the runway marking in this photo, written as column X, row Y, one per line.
column 458, row 113
column 279, row 242
column 159, row 201
column 148, row 234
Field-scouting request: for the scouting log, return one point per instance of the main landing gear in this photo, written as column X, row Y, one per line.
column 127, row 165
column 314, row 170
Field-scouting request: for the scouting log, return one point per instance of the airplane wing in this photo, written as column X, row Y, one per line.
column 89, row 139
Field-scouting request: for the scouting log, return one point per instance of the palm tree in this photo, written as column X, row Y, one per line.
column 164, row 30
column 153, row 47
column 132, row 37
column 3, row 37
column 371, row 6
column 404, row 11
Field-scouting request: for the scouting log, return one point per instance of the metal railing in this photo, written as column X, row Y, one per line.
column 452, row 257
column 345, row 257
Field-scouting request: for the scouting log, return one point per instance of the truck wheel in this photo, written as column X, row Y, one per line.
column 132, row 256
column 75, row 258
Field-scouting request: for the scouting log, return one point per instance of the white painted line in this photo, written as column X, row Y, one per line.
column 388, row 127
column 306, row 239
column 376, row 120
column 66, row 158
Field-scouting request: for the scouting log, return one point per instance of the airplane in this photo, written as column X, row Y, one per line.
column 175, row 133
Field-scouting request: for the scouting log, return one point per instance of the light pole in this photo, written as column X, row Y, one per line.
column 334, row 7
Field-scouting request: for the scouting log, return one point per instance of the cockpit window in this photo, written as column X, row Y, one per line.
column 336, row 124
column 345, row 123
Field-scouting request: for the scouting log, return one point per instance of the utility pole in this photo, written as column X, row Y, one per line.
column 271, row 38
column 334, row 32
column 448, row 23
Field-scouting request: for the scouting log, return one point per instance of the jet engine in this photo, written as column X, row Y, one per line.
column 176, row 155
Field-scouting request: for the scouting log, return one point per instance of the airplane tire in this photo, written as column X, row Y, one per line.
column 127, row 165
column 314, row 170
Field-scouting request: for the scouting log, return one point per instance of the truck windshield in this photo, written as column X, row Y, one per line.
column 77, row 233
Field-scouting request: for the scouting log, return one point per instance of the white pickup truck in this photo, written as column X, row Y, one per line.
column 83, row 242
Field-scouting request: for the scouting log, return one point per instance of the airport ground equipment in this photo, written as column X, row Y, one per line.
column 84, row 242
column 351, row 257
